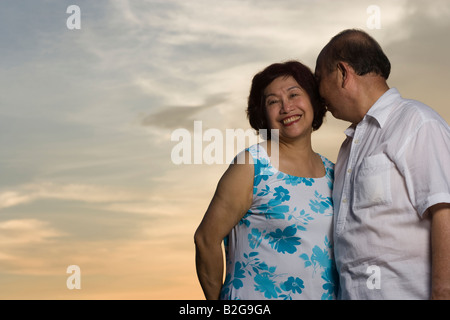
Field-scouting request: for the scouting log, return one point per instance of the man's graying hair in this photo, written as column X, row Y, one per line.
column 359, row 50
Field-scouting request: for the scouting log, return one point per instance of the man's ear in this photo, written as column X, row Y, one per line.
column 343, row 69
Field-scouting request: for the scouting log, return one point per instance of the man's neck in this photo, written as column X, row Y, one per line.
column 371, row 88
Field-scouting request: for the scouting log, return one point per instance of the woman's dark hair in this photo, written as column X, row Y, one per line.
column 256, row 111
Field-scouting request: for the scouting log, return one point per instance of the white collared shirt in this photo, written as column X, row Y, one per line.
column 392, row 167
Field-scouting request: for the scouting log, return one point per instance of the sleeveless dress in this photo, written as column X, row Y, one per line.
column 282, row 247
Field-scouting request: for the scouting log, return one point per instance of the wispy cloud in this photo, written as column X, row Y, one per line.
column 26, row 231
column 84, row 193
column 172, row 117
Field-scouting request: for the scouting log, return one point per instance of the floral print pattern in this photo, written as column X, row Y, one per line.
column 281, row 248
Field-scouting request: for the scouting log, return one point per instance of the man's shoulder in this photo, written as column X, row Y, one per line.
column 411, row 114
column 421, row 110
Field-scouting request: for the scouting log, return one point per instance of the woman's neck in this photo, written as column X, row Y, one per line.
column 296, row 158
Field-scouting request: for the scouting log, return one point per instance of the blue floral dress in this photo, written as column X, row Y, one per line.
column 282, row 247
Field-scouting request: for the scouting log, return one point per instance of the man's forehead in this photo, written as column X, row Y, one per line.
column 319, row 65
column 320, row 61
column 318, row 72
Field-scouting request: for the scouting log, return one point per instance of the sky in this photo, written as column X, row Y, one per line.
column 87, row 115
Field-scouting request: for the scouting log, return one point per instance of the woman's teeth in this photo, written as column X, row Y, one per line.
column 290, row 120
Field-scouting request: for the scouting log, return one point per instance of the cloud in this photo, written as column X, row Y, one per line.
column 419, row 61
column 172, row 117
column 152, row 202
column 26, row 232
column 26, row 247
column 69, row 192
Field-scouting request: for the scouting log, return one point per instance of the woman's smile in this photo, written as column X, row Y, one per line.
column 291, row 120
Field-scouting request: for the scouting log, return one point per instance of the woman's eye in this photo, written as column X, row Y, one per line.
column 272, row 102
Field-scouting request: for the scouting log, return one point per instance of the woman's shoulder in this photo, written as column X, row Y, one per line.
column 328, row 163
column 329, row 169
column 252, row 155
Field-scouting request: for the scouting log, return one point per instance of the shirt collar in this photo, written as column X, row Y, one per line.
column 382, row 108
column 350, row 131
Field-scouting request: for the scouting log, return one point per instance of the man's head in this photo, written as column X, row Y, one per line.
column 350, row 59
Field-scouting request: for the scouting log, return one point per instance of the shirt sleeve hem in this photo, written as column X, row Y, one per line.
column 432, row 200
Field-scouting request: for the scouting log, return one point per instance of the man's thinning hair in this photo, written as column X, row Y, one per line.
column 359, row 50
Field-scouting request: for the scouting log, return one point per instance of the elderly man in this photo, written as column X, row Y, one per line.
column 392, row 179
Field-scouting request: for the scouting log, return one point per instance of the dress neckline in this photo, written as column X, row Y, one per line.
column 266, row 155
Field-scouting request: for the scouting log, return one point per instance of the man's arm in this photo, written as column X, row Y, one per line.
column 440, row 243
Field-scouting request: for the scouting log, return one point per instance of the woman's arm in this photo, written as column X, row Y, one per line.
column 232, row 199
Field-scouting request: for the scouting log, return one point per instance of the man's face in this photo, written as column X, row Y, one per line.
column 329, row 89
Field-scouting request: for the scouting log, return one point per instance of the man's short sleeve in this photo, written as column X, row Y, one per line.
column 424, row 161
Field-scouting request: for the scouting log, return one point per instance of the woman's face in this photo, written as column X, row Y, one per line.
column 288, row 108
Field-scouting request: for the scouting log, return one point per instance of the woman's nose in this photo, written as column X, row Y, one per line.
column 286, row 106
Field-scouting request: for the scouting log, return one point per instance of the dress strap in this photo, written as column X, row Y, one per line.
column 259, row 153
column 261, row 160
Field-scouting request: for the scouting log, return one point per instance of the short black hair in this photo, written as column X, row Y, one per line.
column 256, row 111
column 357, row 48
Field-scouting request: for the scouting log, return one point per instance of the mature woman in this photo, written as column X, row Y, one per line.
column 275, row 217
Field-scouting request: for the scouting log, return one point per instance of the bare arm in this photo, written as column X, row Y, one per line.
column 231, row 201
column 440, row 243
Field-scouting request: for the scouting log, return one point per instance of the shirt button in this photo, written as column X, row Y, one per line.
column 356, row 141
column 349, row 171
column 344, row 201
